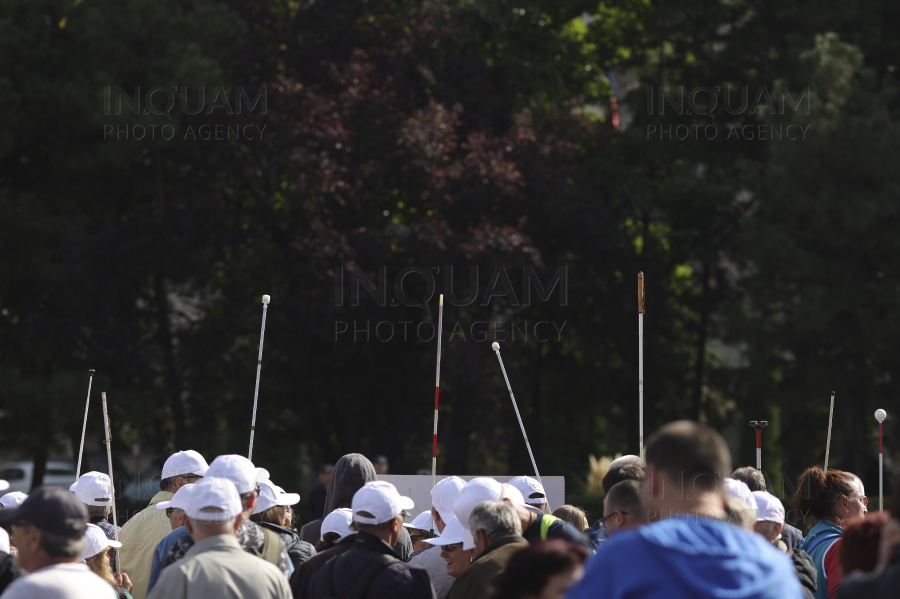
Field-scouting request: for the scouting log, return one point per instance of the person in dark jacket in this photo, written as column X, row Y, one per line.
column 349, row 475
column 301, row 577
column 273, row 512
column 378, row 519
column 9, row 570
column 497, row 531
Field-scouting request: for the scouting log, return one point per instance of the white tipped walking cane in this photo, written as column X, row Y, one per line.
column 496, row 347
column 758, row 425
column 111, row 482
column 84, row 426
column 828, row 442
column 641, row 365
column 262, row 335
column 880, row 415
column 437, row 394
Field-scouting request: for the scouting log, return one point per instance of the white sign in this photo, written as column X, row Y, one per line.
column 419, row 488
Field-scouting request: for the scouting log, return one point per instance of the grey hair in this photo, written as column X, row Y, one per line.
column 497, row 519
column 750, row 476
column 98, row 511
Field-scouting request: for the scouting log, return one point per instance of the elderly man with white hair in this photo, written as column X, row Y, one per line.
column 216, row 565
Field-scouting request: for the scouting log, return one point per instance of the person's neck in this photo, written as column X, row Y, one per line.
column 201, row 537
column 708, row 506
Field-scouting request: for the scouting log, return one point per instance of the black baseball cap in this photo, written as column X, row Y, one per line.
column 51, row 509
column 326, row 468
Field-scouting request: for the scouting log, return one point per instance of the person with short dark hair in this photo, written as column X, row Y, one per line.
column 381, row 464
column 497, row 533
column 687, row 551
column 48, row 528
column 622, row 507
column 371, row 562
column 543, row 571
column 616, row 475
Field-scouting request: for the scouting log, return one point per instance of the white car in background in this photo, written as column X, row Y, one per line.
column 19, row 475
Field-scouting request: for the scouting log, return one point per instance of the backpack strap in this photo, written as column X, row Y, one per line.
column 546, row 522
column 271, row 549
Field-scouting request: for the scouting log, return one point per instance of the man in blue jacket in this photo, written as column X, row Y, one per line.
column 689, row 551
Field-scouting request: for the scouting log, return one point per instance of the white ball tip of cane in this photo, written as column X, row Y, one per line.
column 266, row 299
column 495, row 346
column 880, row 415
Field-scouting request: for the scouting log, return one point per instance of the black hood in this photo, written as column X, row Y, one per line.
column 350, row 474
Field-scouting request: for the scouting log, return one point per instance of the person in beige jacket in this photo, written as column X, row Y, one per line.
column 146, row 528
column 216, row 565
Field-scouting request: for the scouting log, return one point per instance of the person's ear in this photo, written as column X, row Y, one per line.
column 251, row 501
column 621, row 519
column 237, row 521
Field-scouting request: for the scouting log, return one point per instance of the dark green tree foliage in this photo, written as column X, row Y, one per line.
column 443, row 136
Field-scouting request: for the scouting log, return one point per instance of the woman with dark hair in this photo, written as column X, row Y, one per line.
column 831, row 500
column 541, row 571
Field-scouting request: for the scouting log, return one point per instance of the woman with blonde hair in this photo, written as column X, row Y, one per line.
column 97, row 554
column 273, row 512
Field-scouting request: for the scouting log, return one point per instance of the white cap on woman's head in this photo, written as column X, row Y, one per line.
column 96, row 541
column 339, row 522
column 453, row 533
column 185, row 462
column 271, row 495
column 445, row 493
column 476, row 490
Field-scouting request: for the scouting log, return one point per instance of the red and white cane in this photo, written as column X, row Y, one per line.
column 758, row 425
column 880, row 415
column 437, row 395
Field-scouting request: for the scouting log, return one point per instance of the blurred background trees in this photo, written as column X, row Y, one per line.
column 437, row 135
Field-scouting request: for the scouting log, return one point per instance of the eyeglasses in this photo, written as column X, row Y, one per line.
column 602, row 521
column 451, row 548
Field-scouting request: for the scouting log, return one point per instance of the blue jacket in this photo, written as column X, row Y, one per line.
column 821, row 536
column 160, row 553
column 688, row 558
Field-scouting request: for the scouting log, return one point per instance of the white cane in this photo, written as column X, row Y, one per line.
column 112, row 483
column 880, row 415
column 262, row 335
column 496, row 347
column 828, row 441
column 641, row 365
column 84, row 426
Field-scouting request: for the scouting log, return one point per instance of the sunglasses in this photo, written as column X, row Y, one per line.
column 451, row 548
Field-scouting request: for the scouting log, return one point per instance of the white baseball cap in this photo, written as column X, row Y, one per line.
column 4, row 541
column 271, row 495
column 96, row 541
column 239, row 470
column 3, row 485
column 213, row 500
column 739, row 489
column 768, row 507
column 445, row 493
column 476, row 490
column 532, row 490
column 422, row 521
column 377, row 502
column 338, row 521
column 185, row 462
column 93, row 488
column 13, row 499
column 180, row 500
column 453, row 533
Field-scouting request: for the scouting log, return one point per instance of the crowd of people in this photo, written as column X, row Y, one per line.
column 683, row 524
